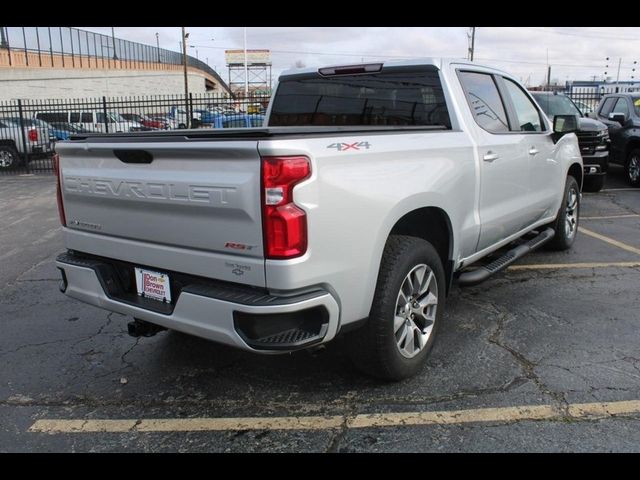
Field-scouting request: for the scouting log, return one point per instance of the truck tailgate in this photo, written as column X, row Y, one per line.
column 197, row 198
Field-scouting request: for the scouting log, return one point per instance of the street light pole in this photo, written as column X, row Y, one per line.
column 3, row 38
column 186, row 79
column 158, row 45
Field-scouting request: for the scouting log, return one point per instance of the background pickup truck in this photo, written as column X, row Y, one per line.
column 32, row 139
column 621, row 113
column 369, row 191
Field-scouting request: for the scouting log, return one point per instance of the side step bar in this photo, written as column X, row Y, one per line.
column 479, row 275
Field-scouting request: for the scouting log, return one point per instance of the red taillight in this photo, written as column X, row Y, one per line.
column 56, row 168
column 285, row 224
column 33, row 135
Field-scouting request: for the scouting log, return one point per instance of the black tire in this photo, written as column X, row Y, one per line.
column 593, row 184
column 182, row 126
column 564, row 237
column 9, row 158
column 374, row 348
column 632, row 167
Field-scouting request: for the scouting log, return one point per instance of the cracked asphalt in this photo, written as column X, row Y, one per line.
column 527, row 337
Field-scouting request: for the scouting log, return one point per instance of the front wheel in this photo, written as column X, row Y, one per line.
column 566, row 223
column 632, row 167
column 406, row 311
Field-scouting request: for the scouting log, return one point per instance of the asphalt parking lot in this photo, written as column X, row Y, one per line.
column 542, row 357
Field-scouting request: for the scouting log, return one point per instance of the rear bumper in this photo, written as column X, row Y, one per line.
column 243, row 318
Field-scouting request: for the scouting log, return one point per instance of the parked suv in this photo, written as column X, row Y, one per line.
column 621, row 113
column 593, row 137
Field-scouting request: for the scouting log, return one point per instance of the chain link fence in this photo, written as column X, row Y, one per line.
column 30, row 129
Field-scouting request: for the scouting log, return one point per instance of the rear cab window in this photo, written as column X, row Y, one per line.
column 394, row 96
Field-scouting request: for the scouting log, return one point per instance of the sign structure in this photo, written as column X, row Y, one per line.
column 258, row 71
column 254, row 57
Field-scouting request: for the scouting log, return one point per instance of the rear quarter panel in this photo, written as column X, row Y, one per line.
column 354, row 198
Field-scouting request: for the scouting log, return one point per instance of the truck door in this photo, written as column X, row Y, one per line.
column 504, row 164
column 545, row 175
column 615, row 106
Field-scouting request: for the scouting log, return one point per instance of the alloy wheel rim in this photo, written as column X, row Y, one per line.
column 571, row 217
column 415, row 312
column 634, row 169
column 6, row 159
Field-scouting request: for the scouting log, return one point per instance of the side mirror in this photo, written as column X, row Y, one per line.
column 565, row 124
column 621, row 118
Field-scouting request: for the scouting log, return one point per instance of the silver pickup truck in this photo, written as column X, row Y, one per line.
column 371, row 189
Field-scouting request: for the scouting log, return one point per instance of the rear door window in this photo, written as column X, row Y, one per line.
column 485, row 101
column 74, row 117
column 87, row 117
column 607, row 106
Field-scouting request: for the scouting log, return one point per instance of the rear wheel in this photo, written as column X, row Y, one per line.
column 566, row 223
column 594, row 183
column 632, row 167
column 406, row 311
column 9, row 158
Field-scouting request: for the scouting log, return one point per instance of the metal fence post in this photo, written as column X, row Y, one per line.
column 190, row 110
column 23, row 134
column 104, row 112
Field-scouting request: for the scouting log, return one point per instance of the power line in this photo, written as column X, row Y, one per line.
column 584, row 34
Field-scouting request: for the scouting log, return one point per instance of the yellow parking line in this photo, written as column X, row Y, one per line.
column 606, row 217
column 392, row 419
column 545, row 266
column 610, row 241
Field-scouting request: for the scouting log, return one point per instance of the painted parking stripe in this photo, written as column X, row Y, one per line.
column 551, row 266
column 392, row 419
column 607, row 217
column 610, row 241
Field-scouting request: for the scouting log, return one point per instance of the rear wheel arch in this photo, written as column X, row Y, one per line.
column 433, row 225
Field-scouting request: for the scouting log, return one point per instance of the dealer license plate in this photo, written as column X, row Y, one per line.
column 153, row 285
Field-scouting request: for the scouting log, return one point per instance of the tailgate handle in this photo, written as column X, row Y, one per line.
column 133, row 156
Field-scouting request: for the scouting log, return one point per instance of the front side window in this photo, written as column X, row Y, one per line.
column 621, row 107
column 528, row 116
column 485, row 102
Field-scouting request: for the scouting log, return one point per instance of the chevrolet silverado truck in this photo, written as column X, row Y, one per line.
column 593, row 137
column 369, row 191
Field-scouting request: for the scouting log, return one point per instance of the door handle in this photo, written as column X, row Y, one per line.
column 533, row 151
column 490, row 156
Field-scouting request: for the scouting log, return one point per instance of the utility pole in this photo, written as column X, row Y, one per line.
column 158, row 45
column 472, row 38
column 246, row 68
column 548, row 76
column 3, row 38
column 186, row 79
column 618, row 75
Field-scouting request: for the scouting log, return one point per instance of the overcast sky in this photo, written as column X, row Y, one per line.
column 574, row 53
